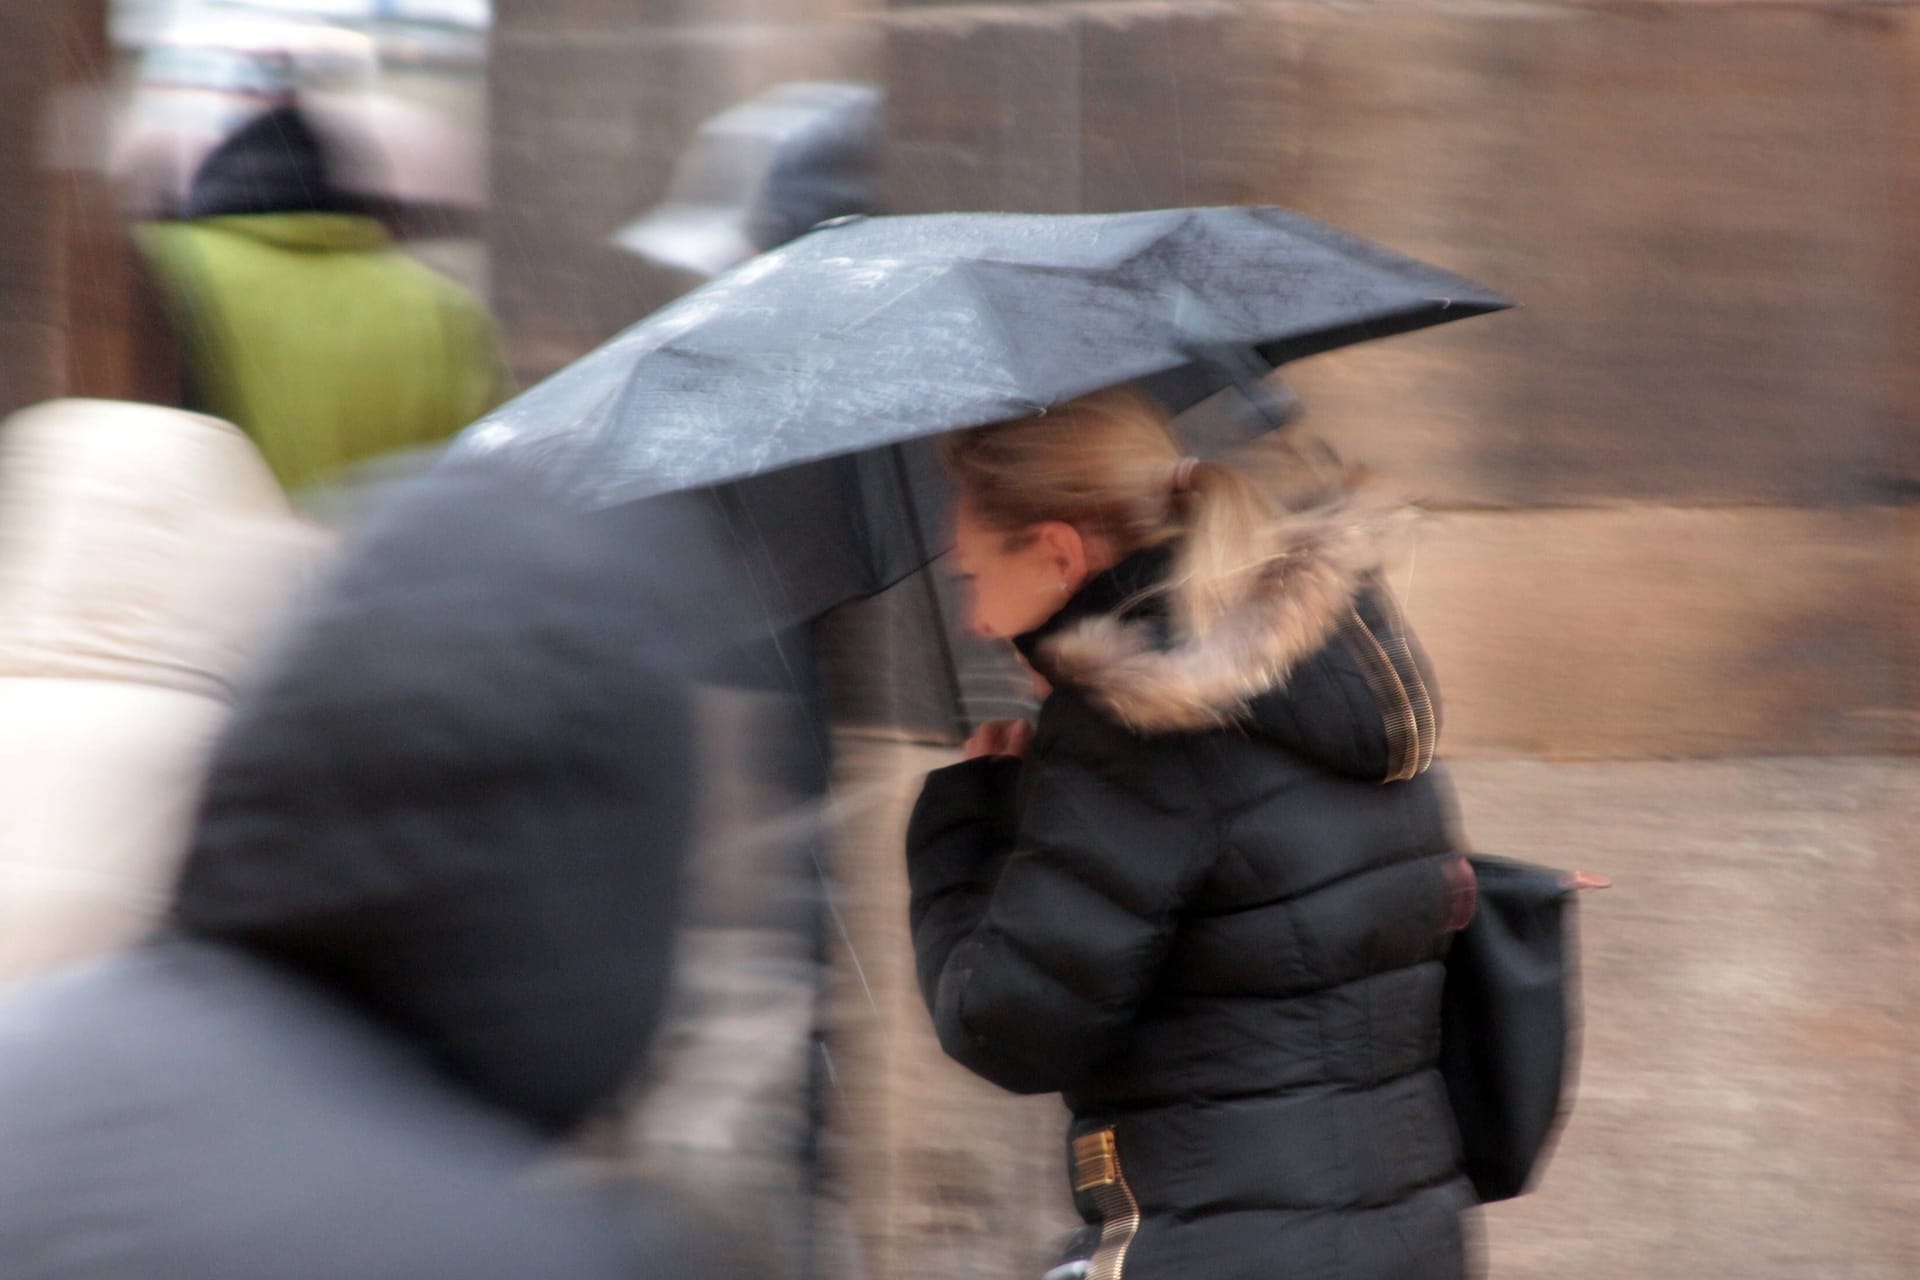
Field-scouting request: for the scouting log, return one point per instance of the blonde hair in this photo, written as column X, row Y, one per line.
column 1110, row 465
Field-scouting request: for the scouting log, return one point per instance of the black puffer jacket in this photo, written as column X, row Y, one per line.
column 1210, row 908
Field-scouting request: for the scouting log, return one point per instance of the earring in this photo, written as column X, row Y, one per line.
column 1063, row 586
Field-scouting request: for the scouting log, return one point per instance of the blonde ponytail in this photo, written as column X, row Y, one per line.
column 1227, row 543
column 1109, row 464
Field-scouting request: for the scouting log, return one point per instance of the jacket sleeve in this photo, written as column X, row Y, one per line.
column 961, row 833
column 482, row 382
column 1038, row 941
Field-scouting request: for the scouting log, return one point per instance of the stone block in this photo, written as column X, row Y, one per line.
column 32, row 362
column 1658, row 632
column 101, row 270
column 31, row 279
column 30, row 276
column 983, row 112
column 588, row 124
column 1167, row 105
column 584, row 135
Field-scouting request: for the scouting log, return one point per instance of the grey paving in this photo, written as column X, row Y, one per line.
column 1746, row 1102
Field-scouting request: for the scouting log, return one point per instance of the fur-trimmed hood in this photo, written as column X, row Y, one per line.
column 1315, row 656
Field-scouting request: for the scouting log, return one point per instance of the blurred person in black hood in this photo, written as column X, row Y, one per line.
column 423, row 928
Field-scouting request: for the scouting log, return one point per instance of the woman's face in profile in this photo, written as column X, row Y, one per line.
column 1014, row 582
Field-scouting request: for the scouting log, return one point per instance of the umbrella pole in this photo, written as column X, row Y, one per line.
column 949, row 662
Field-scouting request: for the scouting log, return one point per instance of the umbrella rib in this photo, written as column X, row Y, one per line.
column 896, row 299
column 1008, row 347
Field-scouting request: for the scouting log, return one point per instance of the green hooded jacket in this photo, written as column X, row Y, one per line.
column 320, row 339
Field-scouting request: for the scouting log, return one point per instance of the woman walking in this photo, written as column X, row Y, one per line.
column 1207, row 895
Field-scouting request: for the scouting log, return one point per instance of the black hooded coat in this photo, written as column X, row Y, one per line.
column 1211, row 907
column 424, row 924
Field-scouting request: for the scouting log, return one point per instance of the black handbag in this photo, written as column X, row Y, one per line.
column 1508, row 1023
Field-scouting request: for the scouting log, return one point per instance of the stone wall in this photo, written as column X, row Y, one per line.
column 31, row 327
column 71, row 320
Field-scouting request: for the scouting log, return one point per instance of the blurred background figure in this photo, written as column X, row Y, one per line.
column 761, row 173
column 143, row 552
column 423, row 929
column 275, row 175
column 301, row 322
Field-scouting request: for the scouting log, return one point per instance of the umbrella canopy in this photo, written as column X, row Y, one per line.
column 804, row 387
column 875, row 331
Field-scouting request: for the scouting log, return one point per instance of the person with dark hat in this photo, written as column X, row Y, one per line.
column 762, row 173
column 298, row 319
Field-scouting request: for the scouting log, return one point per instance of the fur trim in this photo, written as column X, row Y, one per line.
column 1299, row 602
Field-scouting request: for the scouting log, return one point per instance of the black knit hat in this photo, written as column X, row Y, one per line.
column 275, row 163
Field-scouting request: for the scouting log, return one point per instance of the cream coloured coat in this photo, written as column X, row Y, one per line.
column 143, row 555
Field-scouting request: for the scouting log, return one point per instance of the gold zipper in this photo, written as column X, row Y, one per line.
column 1097, row 1171
column 1411, row 728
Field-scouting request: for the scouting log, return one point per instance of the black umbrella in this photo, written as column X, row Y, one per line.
column 804, row 386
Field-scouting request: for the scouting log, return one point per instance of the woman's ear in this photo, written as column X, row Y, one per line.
column 1065, row 549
